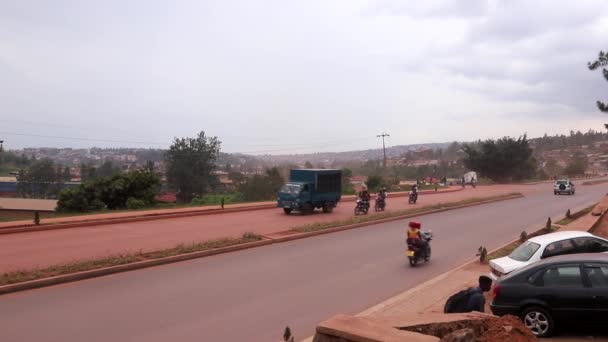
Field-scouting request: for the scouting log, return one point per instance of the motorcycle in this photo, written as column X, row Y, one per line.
column 362, row 207
column 413, row 198
column 416, row 253
column 380, row 204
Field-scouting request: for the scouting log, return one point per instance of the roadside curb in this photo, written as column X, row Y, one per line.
column 297, row 236
column 126, row 267
column 267, row 240
column 30, row 227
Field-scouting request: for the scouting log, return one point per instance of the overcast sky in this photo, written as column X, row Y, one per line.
column 296, row 76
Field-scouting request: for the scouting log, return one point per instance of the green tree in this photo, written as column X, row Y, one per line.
column 149, row 165
column 374, row 182
column 131, row 189
column 274, row 179
column 190, row 164
column 501, row 160
column 601, row 62
column 262, row 187
column 39, row 180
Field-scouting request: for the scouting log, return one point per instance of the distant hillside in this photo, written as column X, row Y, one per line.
column 328, row 158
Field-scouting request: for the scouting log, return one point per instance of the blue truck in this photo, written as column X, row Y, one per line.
column 308, row 189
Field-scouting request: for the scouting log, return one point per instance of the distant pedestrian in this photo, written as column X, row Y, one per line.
column 471, row 299
column 222, row 203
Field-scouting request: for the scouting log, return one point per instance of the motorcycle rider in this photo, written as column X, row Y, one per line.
column 414, row 237
column 364, row 196
column 382, row 195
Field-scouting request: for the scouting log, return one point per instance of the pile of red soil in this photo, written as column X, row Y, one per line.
column 506, row 328
column 485, row 329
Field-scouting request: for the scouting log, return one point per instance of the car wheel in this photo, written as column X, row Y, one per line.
column 287, row 211
column 538, row 320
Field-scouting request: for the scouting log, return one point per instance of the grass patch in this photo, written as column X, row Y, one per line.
column 122, row 259
column 575, row 216
column 374, row 217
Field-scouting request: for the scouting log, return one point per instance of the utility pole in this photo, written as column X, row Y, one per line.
column 383, row 135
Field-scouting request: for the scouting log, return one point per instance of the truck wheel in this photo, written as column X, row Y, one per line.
column 328, row 208
column 287, row 211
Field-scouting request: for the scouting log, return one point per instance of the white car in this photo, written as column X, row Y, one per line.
column 564, row 186
column 545, row 246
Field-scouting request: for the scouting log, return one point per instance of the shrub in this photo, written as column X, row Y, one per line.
column 134, row 203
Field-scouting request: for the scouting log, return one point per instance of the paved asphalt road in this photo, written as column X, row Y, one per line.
column 252, row 295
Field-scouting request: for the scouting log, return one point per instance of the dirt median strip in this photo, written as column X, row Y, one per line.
column 29, row 279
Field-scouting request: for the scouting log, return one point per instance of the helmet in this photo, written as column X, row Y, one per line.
column 414, row 224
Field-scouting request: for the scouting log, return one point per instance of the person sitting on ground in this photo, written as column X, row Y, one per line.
column 476, row 301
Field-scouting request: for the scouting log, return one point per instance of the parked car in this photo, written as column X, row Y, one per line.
column 565, row 289
column 564, row 186
column 545, row 246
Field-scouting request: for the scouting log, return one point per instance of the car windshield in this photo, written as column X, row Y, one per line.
column 524, row 252
column 562, row 182
column 292, row 189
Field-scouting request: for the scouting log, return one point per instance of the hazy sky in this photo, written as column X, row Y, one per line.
column 296, row 76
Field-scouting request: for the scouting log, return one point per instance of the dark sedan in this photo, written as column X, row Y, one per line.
column 569, row 288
